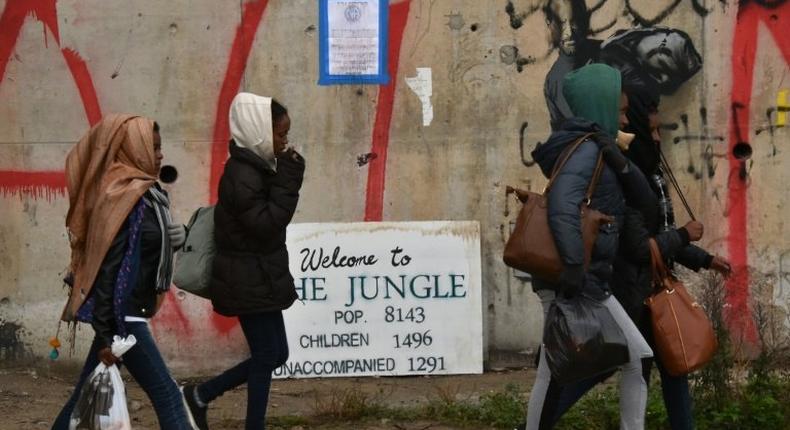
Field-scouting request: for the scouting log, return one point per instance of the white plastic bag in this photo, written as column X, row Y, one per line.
column 102, row 401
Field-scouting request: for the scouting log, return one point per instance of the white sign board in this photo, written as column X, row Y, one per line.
column 353, row 47
column 385, row 299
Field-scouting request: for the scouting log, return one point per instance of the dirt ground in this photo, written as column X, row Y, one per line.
column 30, row 398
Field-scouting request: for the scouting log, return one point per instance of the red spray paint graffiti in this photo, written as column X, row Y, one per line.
column 50, row 183
column 36, row 184
column 47, row 183
column 374, row 197
column 237, row 63
column 744, row 49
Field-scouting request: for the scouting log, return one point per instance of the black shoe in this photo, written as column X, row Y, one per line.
column 522, row 426
column 197, row 414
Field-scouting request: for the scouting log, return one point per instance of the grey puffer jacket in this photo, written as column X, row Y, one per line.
column 565, row 199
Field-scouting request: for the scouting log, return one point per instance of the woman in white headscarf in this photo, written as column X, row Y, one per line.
column 258, row 194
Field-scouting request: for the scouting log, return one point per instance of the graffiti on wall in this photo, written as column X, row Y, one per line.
column 50, row 184
column 42, row 183
column 663, row 56
column 666, row 58
column 752, row 14
column 655, row 56
column 705, row 163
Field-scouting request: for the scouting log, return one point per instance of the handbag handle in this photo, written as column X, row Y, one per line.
column 674, row 182
column 565, row 156
column 594, row 181
column 660, row 271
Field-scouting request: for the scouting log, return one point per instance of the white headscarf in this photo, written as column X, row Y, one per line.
column 251, row 125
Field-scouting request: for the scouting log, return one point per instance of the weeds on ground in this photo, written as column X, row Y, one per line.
column 737, row 392
column 503, row 409
column 500, row 409
column 347, row 405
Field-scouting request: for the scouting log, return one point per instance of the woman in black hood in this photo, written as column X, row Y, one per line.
column 632, row 267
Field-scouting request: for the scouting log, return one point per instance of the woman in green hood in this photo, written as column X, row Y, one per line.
column 594, row 95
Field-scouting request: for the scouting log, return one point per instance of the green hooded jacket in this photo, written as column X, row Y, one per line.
column 593, row 93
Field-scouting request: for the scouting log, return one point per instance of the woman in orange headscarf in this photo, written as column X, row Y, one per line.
column 122, row 242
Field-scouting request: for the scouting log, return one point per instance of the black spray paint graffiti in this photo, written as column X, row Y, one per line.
column 517, row 18
column 366, row 158
column 654, row 57
column 529, row 162
column 704, row 137
column 658, row 56
column 770, row 4
column 770, row 113
column 772, row 126
column 509, row 55
column 568, row 23
column 630, row 10
column 662, row 58
column 773, row 123
column 639, row 19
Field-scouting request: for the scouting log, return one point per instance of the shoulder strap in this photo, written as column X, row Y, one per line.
column 563, row 159
column 660, row 271
column 595, row 178
column 674, row 182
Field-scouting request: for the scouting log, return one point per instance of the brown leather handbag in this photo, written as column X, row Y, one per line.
column 684, row 337
column 531, row 246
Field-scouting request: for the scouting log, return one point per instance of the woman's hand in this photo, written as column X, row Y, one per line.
column 721, row 265
column 695, row 229
column 106, row 357
column 178, row 235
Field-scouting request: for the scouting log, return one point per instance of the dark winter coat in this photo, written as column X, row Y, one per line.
column 565, row 199
column 632, row 280
column 142, row 301
column 250, row 272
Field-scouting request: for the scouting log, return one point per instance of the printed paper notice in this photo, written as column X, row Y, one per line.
column 353, row 35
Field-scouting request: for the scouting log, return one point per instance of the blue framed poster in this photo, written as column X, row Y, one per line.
column 353, row 42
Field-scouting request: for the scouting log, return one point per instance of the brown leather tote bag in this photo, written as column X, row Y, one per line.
column 684, row 337
column 531, row 246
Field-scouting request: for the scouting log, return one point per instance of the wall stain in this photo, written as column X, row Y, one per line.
column 455, row 21
column 12, row 348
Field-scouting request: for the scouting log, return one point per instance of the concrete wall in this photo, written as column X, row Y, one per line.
column 65, row 62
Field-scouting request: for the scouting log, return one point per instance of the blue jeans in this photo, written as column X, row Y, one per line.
column 677, row 397
column 147, row 367
column 265, row 334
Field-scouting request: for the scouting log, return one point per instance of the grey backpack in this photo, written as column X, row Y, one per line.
column 193, row 266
